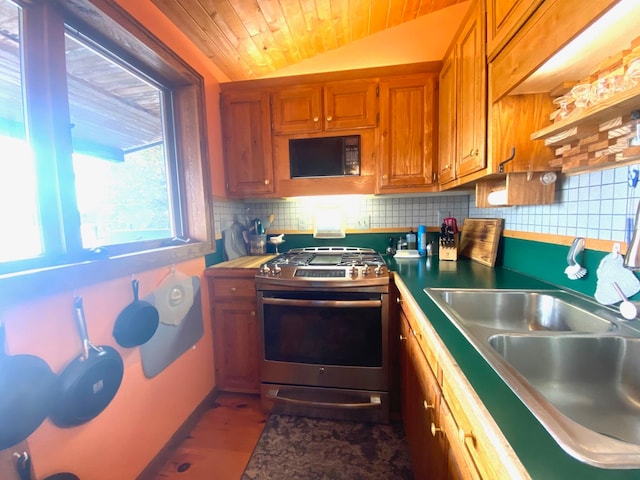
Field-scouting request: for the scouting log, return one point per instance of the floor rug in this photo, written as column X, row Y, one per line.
column 300, row 448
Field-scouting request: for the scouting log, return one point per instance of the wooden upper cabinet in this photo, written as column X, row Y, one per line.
column 504, row 18
column 549, row 28
column 350, row 104
column 297, row 109
column 247, row 143
column 512, row 119
column 408, row 129
column 447, row 120
column 472, row 94
column 342, row 105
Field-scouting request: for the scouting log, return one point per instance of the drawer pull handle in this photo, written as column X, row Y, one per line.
column 462, row 435
column 435, row 429
column 402, row 338
column 233, row 289
column 428, row 406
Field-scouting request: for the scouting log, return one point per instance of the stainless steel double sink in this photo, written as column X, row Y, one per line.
column 573, row 362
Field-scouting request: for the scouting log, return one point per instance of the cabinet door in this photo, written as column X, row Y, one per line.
column 297, row 109
column 235, row 331
column 511, row 139
column 447, row 120
column 408, row 127
column 460, row 465
column 350, row 104
column 247, row 143
column 504, row 18
column 419, row 408
column 471, row 96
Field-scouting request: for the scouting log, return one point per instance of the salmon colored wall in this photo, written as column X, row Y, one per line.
column 125, row 437
column 144, row 414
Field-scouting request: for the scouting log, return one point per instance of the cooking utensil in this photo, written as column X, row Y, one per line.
column 137, row 322
column 26, row 383
column 88, row 384
column 627, row 309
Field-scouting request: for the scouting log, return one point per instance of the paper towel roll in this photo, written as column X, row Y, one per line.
column 497, row 197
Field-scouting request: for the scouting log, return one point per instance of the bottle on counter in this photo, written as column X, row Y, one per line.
column 411, row 240
column 422, row 240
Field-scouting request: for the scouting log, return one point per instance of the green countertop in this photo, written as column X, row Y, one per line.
column 538, row 451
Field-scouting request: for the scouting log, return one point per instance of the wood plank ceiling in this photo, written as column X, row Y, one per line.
column 248, row 39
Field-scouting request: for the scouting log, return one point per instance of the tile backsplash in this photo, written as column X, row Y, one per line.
column 600, row 205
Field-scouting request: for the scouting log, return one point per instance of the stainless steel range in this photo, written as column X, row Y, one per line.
column 324, row 324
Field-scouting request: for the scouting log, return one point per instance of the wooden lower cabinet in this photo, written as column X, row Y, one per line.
column 450, row 433
column 420, row 396
column 235, row 330
column 429, row 425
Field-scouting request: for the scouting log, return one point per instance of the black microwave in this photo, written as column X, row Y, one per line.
column 324, row 157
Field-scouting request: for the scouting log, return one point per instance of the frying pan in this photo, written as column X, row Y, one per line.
column 88, row 384
column 137, row 322
column 26, row 383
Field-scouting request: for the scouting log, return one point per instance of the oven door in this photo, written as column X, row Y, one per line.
column 324, row 339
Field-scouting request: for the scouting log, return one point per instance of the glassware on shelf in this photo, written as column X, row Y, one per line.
column 599, row 90
column 616, row 83
column 580, row 94
column 632, row 75
column 565, row 106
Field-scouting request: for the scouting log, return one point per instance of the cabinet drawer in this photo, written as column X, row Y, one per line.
column 472, row 440
column 423, row 344
column 233, row 288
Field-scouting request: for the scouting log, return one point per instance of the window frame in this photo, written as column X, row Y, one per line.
column 46, row 111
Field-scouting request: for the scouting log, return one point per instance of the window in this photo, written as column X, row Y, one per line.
column 102, row 151
column 120, row 154
column 18, row 201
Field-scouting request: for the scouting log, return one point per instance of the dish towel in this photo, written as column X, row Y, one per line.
column 611, row 269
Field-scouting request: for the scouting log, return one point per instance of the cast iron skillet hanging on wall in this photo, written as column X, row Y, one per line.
column 137, row 322
column 88, row 384
column 26, row 386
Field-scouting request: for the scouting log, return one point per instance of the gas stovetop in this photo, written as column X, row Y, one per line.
column 354, row 265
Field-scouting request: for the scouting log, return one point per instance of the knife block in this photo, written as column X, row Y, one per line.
column 450, row 252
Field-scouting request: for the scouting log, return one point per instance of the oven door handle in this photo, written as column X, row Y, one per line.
column 276, row 395
column 292, row 302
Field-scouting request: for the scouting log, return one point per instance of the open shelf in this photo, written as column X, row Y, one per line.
column 619, row 104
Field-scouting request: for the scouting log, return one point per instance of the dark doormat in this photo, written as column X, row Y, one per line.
column 300, row 448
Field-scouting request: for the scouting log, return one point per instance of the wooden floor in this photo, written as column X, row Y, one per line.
column 221, row 444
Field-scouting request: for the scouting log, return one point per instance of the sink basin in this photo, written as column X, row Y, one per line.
column 574, row 363
column 516, row 310
column 593, row 381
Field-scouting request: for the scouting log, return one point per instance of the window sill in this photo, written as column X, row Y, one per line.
column 23, row 286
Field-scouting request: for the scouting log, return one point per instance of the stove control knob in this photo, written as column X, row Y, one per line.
column 366, row 270
column 379, row 269
column 264, row 269
column 353, row 271
column 275, row 270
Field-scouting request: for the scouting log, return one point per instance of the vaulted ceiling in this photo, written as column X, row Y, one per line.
column 250, row 39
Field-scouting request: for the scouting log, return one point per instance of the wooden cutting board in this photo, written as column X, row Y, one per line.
column 479, row 239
